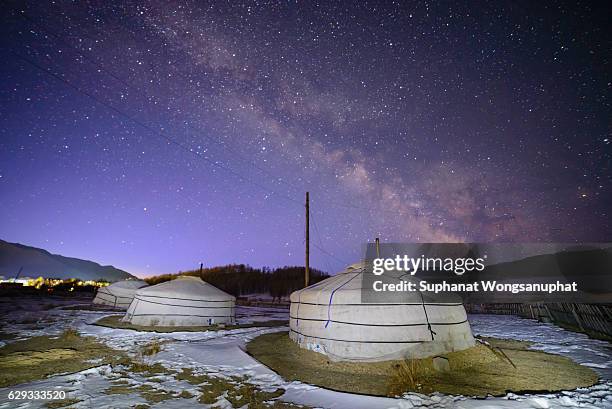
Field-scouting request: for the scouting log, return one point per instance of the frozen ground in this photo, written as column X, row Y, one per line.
column 221, row 353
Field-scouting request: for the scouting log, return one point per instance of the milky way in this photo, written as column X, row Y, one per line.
column 155, row 137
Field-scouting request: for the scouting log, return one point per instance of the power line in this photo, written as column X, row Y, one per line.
column 197, row 130
column 146, row 95
column 160, row 134
column 274, row 179
column 102, row 68
column 148, row 128
column 319, row 238
column 343, row 262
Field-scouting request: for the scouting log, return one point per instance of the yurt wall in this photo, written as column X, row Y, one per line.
column 185, row 301
column 329, row 317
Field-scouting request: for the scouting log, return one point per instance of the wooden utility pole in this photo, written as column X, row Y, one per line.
column 307, row 266
column 201, row 267
column 377, row 248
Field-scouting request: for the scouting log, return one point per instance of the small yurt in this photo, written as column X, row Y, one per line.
column 329, row 317
column 185, row 301
column 119, row 294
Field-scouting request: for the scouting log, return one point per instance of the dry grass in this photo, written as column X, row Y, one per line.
column 39, row 357
column 122, row 389
column 64, row 403
column 245, row 393
column 149, row 393
column 477, row 371
column 70, row 335
column 148, row 369
column 187, row 375
column 31, row 358
column 184, row 395
column 152, row 348
column 114, row 321
column 407, row 375
column 236, row 390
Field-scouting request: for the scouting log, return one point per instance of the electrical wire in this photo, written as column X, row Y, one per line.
column 102, row 68
column 127, row 84
column 153, row 131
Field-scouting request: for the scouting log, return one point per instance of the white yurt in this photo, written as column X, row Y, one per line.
column 119, row 294
column 329, row 317
column 185, row 301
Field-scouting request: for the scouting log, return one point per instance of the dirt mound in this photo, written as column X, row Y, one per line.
column 500, row 367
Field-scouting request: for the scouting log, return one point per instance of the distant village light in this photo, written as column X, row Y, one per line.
column 51, row 282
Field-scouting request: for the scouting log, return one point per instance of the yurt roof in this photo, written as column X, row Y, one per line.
column 344, row 287
column 186, row 287
column 348, row 287
column 128, row 284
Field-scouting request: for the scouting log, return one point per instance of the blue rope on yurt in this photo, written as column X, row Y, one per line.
column 297, row 321
column 331, row 296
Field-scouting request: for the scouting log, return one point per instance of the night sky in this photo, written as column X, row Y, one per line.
column 154, row 137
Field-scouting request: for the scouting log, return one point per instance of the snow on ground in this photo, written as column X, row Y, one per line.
column 247, row 315
column 548, row 337
column 222, row 354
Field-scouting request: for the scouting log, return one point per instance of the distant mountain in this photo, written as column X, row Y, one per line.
column 38, row 262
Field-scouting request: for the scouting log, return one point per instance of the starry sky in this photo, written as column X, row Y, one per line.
column 154, row 137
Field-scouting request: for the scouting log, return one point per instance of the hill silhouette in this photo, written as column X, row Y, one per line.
column 40, row 263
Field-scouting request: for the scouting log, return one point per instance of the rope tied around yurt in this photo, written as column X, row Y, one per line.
column 331, row 296
column 431, row 331
column 310, row 287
